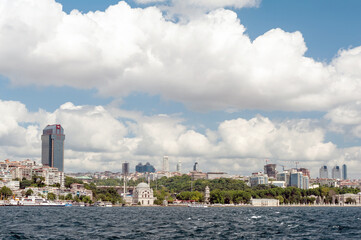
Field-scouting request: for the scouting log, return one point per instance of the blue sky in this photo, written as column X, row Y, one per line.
column 326, row 27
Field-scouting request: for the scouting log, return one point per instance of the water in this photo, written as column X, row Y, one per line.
column 180, row 223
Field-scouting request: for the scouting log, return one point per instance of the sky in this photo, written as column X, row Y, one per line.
column 229, row 84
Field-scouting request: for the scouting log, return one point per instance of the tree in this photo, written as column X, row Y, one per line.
column 51, row 196
column 25, row 183
column 69, row 197
column 6, row 192
column 69, row 181
column 29, row 192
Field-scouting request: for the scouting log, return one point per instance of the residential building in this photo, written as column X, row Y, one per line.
column 53, row 146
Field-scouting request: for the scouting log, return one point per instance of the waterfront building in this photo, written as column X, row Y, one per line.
column 336, row 172
column 52, row 147
column 179, row 166
column 143, row 195
column 165, row 164
column 258, row 179
column 140, row 168
column 125, row 168
column 344, row 172
column 270, row 170
column 324, row 172
column 264, row 202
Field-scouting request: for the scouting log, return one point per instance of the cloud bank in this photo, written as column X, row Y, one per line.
column 206, row 63
column 99, row 138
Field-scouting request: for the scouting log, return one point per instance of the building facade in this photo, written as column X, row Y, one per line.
column 52, row 147
column 324, row 172
column 165, row 164
column 143, row 195
column 147, row 168
column 125, row 168
column 270, row 170
column 344, row 172
column 336, row 172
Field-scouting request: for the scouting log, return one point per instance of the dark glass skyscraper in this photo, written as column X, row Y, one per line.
column 52, row 146
column 344, row 172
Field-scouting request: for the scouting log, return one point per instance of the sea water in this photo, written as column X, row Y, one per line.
column 180, row 223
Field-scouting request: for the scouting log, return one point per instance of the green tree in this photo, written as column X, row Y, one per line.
column 51, row 196
column 29, row 192
column 25, row 183
column 6, row 192
column 69, row 197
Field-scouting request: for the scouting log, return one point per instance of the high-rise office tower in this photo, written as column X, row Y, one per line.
column 195, row 167
column 125, row 168
column 336, row 172
column 323, row 172
column 270, row 170
column 165, row 164
column 179, row 166
column 52, row 146
column 344, row 172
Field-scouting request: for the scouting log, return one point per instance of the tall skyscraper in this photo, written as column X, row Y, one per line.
column 125, row 168
column 344, row 172
column 165, row 164
column 270, row 170
column 336, row 172
column 179, row 166
column 52, row 146
column 195, row 167
column 323, row 172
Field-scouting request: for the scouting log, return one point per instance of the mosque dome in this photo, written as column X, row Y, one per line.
column 142, row 185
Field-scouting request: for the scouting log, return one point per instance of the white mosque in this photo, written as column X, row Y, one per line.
column 143, row 195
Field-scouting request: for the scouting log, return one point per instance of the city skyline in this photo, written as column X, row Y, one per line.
column 227, row 85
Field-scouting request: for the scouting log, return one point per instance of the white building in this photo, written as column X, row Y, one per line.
column 143, row 195
column 264, row 202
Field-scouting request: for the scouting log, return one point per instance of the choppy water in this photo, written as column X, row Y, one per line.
column 180, row 223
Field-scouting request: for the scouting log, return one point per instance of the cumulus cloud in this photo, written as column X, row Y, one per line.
column 206, row 63
column 100, row 138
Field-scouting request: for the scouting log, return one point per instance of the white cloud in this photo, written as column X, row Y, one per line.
column 207, row 63
column 148, row 1
column 100, row 138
